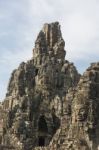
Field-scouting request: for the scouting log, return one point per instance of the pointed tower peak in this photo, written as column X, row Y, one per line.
column 49, row 42
column 52, row 33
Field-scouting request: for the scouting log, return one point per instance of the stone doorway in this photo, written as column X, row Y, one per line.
column 42, row 124
column 42, row 131
column 41, row 141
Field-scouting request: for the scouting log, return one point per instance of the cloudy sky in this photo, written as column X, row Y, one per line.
column 21, row 20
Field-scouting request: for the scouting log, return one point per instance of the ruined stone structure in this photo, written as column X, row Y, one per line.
column 80, row 129
column 49, row 105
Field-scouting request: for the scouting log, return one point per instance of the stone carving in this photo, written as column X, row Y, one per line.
column 36, row 89
column 49, row 105
column 82, row 131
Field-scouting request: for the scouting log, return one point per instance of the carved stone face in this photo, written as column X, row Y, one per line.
column 81, row 113
column 68, row 110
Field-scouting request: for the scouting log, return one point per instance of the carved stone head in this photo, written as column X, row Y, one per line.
column 81, row 112
column 80, row 107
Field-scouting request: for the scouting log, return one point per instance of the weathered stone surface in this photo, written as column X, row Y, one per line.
column 36, row 92
column 47, row 107
column 80, row 128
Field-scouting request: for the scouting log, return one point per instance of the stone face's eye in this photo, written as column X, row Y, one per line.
column 82, row 111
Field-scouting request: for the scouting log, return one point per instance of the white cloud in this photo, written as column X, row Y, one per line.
column 20, row 21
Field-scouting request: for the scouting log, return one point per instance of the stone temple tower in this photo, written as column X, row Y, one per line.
column 37, row 91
